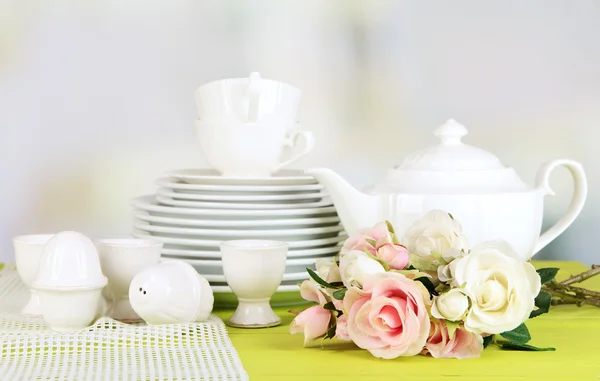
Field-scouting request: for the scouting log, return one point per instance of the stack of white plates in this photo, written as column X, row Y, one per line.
column 193, row 211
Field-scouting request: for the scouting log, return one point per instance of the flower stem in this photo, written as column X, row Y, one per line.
column 583, row 276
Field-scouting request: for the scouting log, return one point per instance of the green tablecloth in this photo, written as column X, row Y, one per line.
column 274, row 354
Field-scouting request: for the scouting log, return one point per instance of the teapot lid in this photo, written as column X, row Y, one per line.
column 452, row 167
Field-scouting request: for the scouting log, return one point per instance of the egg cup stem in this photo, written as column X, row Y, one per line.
column 254, row 313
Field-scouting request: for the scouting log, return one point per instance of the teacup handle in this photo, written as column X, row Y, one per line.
column 292, row 140
column 577, row 201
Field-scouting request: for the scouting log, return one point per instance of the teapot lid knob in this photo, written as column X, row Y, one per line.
column 451, row 132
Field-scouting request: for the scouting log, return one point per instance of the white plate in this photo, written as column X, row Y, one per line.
column 323, row 252
column 254, row 198
column 239, row 206
column 292, row 223
column 215, row 267
column 281, row 234
column 149, row 203
column 212, row 189
column 215, row 244
column 211, row 176
column 285, row 288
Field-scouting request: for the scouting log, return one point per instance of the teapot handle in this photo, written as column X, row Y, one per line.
column 577, row 201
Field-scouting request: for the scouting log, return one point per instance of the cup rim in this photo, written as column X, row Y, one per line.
column 129, row 242
column 41, row 238
column 254, row 244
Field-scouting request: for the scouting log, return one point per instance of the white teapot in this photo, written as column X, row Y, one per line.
column 489, row 200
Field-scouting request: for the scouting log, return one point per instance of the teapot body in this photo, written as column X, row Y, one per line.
column 514, row 217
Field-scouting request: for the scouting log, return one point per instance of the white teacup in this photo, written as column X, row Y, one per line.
column 251, row 99
column 28, row 252
column 249, row 149
column 122, row 260
column 253, row 270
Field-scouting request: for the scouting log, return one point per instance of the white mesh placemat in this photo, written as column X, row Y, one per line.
column 109, row 350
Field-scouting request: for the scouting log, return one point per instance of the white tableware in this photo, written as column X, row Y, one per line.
column 250, row 149
column 295, row 269
column 171, row 292
column 240, row 205
column 247, row 198
column 244, row 99
column 212, row 244
column 292, row 223
column 122, row 260
column 69, row 281
column 168, row 251
column 253, row 270
column 297, row 277
column 209, row 179
column 149, row 203
column 282, row 234
column 28, row 252
column 489, row 200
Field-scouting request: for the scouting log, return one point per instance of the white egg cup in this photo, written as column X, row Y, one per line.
column 28, row 252
column 122, row 260
column 69, row 282
column 253, row 270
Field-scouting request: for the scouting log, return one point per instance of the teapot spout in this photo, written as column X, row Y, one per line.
column 357, row 210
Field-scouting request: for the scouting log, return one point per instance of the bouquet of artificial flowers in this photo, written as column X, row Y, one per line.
column 428, row 294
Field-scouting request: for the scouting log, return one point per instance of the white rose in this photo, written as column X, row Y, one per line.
column 328, row 270
column 429, row 239
column 452, row 305
column 502, row 287
column 356, row 266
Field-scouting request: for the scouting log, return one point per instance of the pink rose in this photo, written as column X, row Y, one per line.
column 341, row 329
column 396, row 256
column 388, row 317
column 463, row 345
column 359, row 242
column 313, row 322
column 310, row 290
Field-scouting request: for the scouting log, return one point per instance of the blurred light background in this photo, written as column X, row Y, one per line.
column 96, row 97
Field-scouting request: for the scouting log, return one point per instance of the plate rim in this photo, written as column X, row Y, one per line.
column 168, row 182
column 287, row 174
column 242, row 206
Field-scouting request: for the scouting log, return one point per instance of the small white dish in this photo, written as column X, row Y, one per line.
column 234, row 189
column 254, row 269
column 121, row 260
column 292, row 177
column 28, row 252
column 171, row 292
column 283, row 234
column 241, row 205
column 149, row 203
column 69, row 282
column 248, row 198
column 292, row 223
column 295, row 269
column 169, row 251
column 208, row 244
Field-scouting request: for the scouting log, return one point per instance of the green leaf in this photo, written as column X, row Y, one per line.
column 547, row 274
column 390, row 227
column 371, row 242
column 428, row 285
column 331, row 332
column 523, row 347
column 542, row 302
column 329, row 306
column 487, row 340
column 383, row 263
column 519, row 335
column 318, row 279
column 339, row 294
column 452, row 327
column 451, row 216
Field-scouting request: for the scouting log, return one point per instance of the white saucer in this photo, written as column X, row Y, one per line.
column 255, row 198
column 211, row 176
column 281, row 234
column 149, row 203
column 215, row 244
column 215, row 267
column 292, row 223
column 239, row 206
column 323, row 252
column 209, row 189
column 300, row 276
